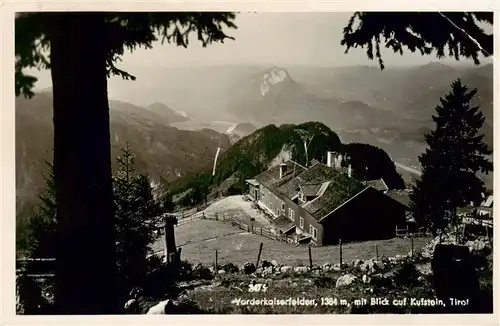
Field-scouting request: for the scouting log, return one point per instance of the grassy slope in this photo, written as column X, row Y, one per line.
column 200, row 239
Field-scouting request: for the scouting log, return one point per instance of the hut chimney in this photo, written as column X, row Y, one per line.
column 329, row 159
column 339, row 161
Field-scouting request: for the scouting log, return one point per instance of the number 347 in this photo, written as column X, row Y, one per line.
column 259, row 287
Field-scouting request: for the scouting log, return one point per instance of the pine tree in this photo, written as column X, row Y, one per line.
column 40, row 242
column 450, row 164
column 137, row 214
column 369, row 162
column 84, row 49
column 41, row 226
column 453, row 34
column 165, row 197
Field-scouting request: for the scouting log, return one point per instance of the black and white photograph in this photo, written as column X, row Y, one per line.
column 253, row 162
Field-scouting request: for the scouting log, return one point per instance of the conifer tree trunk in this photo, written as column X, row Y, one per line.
column 85, row 255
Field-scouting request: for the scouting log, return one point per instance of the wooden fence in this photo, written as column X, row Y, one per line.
column 188, row 215
column 466, row 220
column 478, row 221
column 44, row 267
column 259, row 230
column 406, row 232
column 189, row 219
column 35, row 267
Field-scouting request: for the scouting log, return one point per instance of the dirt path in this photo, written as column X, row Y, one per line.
column 233, row 205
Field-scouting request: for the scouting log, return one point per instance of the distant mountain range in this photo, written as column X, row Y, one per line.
column 239, row 131
column 273, row 96
column 167, row 113
column 390, row 109
column 161, row 151
column 358, row 98
column 215, row 91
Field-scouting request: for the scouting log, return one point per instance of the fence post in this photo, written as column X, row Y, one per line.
column 169, row 239
column 310, row 258
column 340, row 247
column 261, row 230
column 165, row 250
column 178, row 258
column 376, row 250
column 216, row 261
column 258, row 257
column 411, row 238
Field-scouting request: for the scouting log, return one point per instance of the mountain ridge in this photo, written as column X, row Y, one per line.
column 272, row 145
column 166, row 112
column 162, row 151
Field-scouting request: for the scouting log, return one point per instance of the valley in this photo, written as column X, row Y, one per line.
column 264, row 162
column 389, row 109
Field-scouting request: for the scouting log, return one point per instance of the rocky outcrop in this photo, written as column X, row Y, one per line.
column 162, row 308
column 371, row 266
column 480, row 245
column 345, row 280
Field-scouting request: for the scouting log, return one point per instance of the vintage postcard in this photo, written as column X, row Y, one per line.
column 225, row 160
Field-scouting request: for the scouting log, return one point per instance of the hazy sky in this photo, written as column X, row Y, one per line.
column 269, row 38
column 274, row 38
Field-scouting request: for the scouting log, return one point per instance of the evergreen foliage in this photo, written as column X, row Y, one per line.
column 37, row 237
column 124, row 31
column 450, row 164
column 138, row 216
column 86, row 46
column 458, row 33
column 81, row 50
column 37, row 241
column 252, row 155
column 369, row 162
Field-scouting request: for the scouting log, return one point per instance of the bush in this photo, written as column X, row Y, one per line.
column 31, row 300
column 234, row 190
column 161, row 282
column 324, row 282
column 230, row 268
column 249, row 268
column 185, row 271
column 202, row 273
column 266, row 264
column 472, row 231
column 406, row 275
